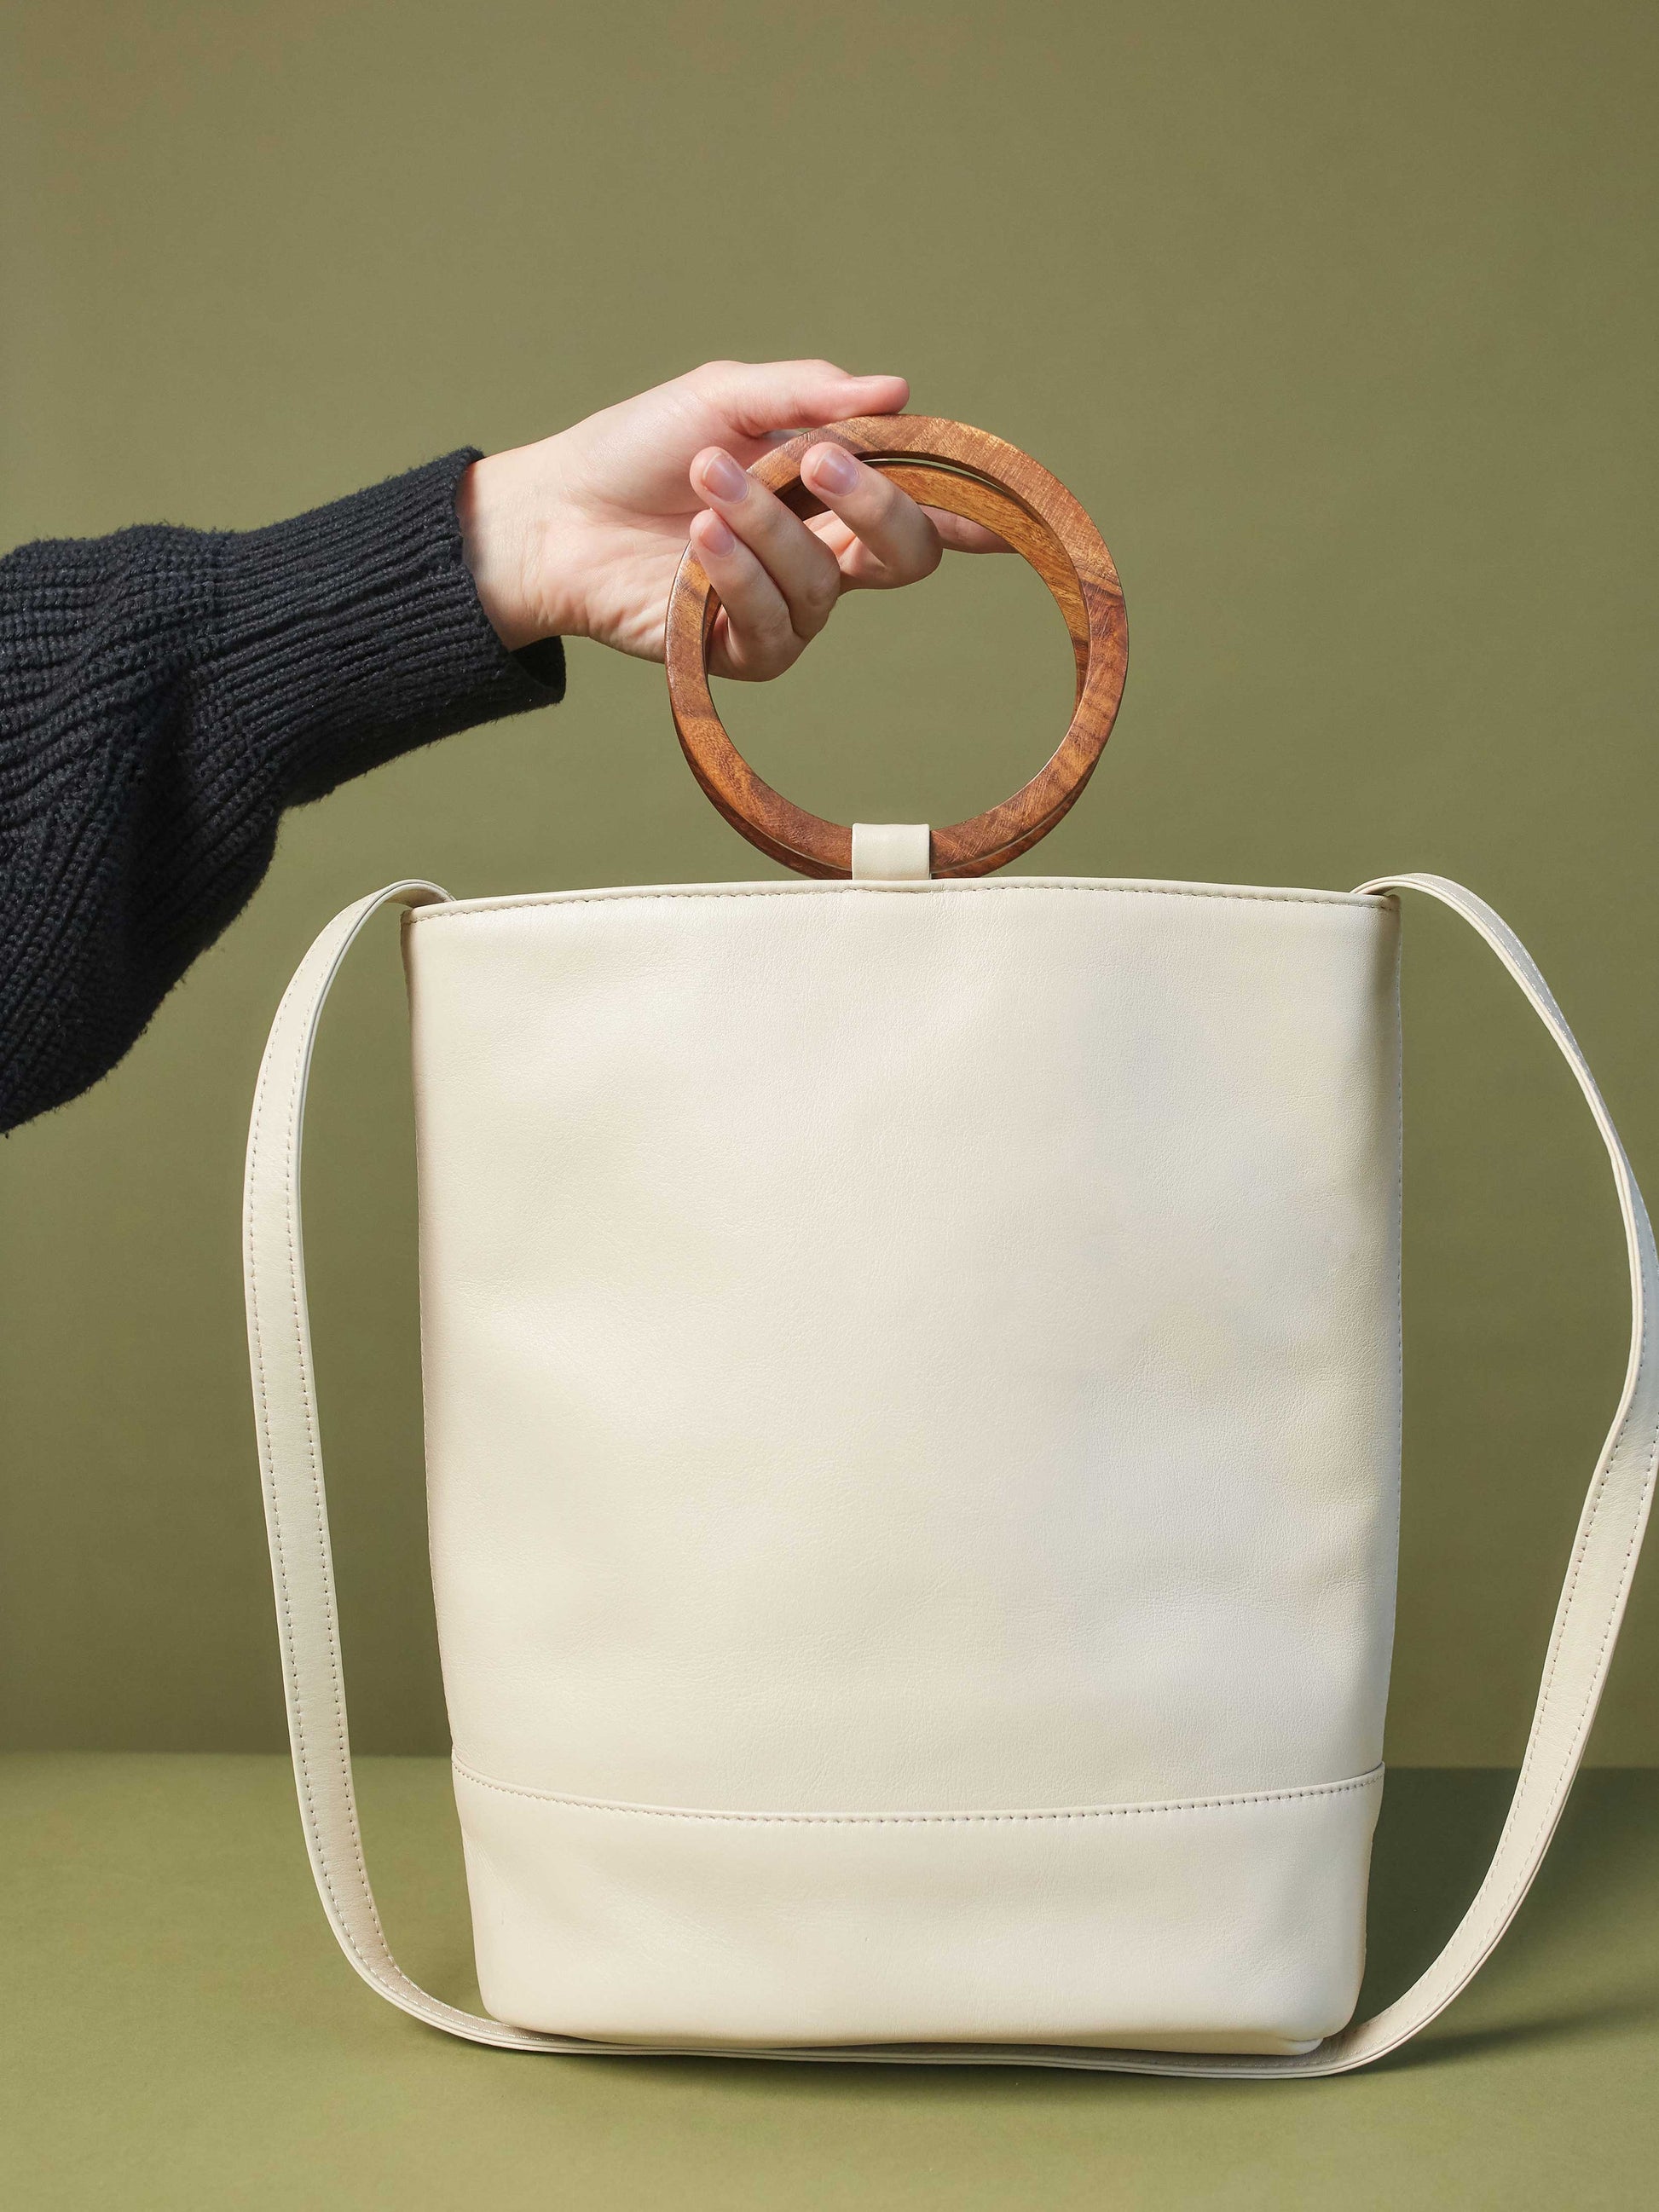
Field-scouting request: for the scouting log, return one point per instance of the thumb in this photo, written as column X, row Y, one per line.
column 756, row 399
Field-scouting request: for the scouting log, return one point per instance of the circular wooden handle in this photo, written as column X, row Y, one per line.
column 964, row 471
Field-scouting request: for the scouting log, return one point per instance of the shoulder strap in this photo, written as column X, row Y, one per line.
column 1581, row 1644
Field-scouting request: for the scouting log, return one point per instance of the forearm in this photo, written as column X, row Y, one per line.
column 164, row 695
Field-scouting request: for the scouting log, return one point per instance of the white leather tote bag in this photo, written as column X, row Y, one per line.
column 911, row 1369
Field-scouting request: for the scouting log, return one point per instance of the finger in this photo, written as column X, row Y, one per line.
column 899, row 537
column 757, row 639
column 799, row 563
column 957, row 534
column 756, row 399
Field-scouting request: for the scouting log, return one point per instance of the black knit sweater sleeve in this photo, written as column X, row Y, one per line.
column 164, row 693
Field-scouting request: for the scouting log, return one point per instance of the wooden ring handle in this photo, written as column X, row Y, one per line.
column 964, row 471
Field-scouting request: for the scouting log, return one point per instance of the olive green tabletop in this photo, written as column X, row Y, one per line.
column 179, row 2032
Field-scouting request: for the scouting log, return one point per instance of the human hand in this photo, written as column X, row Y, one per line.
column 579, row 535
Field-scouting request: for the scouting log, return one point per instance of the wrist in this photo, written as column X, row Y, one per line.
column 509, row 531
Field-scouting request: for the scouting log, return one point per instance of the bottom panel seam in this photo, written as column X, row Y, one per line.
column 1224, row 1802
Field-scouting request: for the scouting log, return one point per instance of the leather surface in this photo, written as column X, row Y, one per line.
column 920, row 1348
column 1586, row 1627
column 892, row 852
column 1233, row 1922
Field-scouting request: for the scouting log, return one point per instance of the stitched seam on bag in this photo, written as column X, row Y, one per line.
column 1603, row 1478
column 301, row 1733
column 1399, row 1227
column 457, row 911
column 1599, row 1491
column 370, row 1966
column 313, row 1460
column 920, row 1819
column 1496, row 1919
column 396, row 1986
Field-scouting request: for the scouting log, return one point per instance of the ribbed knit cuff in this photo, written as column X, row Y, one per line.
column 354, row 633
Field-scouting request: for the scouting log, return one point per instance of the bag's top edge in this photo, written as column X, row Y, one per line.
column 934, row 887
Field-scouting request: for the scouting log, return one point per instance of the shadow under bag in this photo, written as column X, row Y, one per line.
column 911, row 1375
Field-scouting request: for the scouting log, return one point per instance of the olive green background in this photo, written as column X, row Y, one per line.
column 1340, row 321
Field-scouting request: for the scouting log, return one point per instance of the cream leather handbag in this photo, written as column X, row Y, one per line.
column 911, row 1368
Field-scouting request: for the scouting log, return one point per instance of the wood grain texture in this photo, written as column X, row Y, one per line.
column 964, row 471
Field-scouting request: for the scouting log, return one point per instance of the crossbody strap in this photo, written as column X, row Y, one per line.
column 1604, row 1555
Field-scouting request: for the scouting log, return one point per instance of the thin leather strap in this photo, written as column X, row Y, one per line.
column 1587, row 1619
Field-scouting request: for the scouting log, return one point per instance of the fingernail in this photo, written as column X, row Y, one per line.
column 832, row 469
column 714, row 537
column 723, row 477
